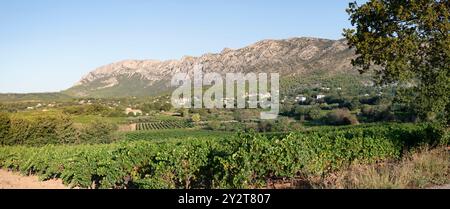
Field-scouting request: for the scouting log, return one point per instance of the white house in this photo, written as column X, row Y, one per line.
column 320, row 96
column 300, row 98
column 135, row 112
column 183, row 101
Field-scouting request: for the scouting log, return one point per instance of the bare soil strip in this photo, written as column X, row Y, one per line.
column 11, row 180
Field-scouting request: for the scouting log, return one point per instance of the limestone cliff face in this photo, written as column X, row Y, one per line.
column 295, row 56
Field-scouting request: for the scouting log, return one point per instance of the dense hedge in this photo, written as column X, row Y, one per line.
column 244, row 161
column 57, row 129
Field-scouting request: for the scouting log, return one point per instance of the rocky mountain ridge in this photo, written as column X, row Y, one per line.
column 294, row 56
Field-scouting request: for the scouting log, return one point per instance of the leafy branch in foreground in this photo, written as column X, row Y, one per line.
column 406, row 43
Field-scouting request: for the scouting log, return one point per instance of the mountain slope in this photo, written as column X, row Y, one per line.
column 295, row 57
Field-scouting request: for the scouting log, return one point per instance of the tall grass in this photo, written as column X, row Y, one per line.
column 421, row 168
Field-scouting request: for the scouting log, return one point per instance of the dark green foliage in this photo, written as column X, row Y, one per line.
column 214, row 125
column 308, row 112
column 160, row 105
column 266, row 126
column 375, row 100
column 341, row 117
column 180, row 134
column 282, row 125
column 333, row 99
column 5, row 125
column 97, row 132
column 377, row 113
column 352, row 104
column 58, row 129
column 243, row 115
column 406, row 43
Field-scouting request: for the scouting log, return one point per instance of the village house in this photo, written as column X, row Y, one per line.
column 320, row 96
column 135, row 112
column 300, row 98
column 183, row 101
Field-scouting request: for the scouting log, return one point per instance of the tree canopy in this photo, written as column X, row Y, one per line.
column 406, row 43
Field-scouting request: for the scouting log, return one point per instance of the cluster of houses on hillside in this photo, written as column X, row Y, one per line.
column 40, row 105
column 226, row 100
column 298, row 98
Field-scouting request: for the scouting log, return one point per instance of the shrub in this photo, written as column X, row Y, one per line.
column 326, row 106
column 214, row 125
column 332, row 99
column 58, row 129
column 341, row 117
column 352, row 104
column 251, row 126
column 301, row 112
column 196, row 118
column 233, row 127
column 377, row 113
column 375, row 100
column 38, row 131
column 314, row 113
column 166, row 107
column 97, row 132
column 308, row 112
column 184, row 113
column 5, row 125
column 266, row 126
column 282, row 125
column 242, row 115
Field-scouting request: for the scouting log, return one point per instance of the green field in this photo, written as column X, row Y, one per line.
column 85, row 119
column 162, row 125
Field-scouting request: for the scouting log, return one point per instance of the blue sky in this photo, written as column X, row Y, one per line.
column 47, row 45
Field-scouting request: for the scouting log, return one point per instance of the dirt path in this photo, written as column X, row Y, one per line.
column 10, row 180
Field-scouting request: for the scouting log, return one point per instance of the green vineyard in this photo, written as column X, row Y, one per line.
column 174, row 134
column 161, row 125
column 241, row 161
